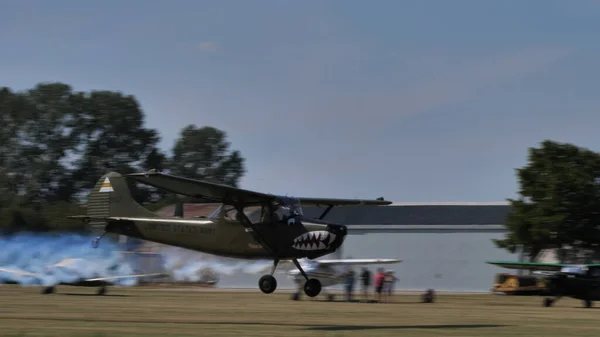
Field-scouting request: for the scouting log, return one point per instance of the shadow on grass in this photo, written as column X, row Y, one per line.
column 313, row 327
column 398, row 327
column 90, row 294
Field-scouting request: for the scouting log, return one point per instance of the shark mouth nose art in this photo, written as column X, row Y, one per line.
column 315, row 240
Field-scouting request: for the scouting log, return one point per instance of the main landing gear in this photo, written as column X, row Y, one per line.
column 268, row 284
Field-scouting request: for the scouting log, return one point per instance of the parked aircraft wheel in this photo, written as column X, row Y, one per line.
column 588, row 304
column 102, row 291
column 48, row 290
column 548, row 302
column 312, row 287
column 267, row 284
column 330, row 297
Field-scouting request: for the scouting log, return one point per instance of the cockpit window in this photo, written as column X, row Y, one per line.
column 230, row 213
column 283, row 208
column 215, row 214
column 252, row 212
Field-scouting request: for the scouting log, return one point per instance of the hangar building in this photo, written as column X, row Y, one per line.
column 443, row 246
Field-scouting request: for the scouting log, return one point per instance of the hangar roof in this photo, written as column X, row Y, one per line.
column 417, row 214
column 452, row 213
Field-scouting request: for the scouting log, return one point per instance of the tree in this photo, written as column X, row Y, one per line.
column 54, row 145
column 203, row 153
column 559, row 203
column 68, row 139
column 111, row 137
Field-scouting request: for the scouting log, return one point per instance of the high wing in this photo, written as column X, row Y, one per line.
column 555, row 267
column 357, row 261
column 219, row 193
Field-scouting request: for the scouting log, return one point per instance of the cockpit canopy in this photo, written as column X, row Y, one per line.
column 284, row 208
column 287, row 207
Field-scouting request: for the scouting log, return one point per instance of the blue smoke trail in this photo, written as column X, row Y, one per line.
column 35, row 253
column 186, row 265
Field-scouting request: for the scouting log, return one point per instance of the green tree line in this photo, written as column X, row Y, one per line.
column 55, row 143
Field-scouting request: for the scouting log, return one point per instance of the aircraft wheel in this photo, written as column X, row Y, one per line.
column 588, row 304
column 548, row 302
column 48, row 290
column 267, row 284
column 330, row 297
column 102, row 291
column 312, row 287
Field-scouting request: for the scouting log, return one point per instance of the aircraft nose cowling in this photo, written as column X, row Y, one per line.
column 340, row 232
column 321, row 240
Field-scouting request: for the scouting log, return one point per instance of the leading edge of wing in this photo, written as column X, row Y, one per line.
column 358, row 261
column 218, row 192
column 527, row 265
column 198, row 188
column 342, row 202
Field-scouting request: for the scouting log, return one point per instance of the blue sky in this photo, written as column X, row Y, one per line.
column 418, row 101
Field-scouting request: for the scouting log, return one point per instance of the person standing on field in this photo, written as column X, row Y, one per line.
column 365, row 280
column 379, row 279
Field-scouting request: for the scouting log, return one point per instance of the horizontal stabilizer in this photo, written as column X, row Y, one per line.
column 357, row 261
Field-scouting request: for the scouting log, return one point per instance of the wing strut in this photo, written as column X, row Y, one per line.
column 251, row 229
column 325, row 212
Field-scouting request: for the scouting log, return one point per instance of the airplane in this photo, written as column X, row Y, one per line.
column 246, row 225
column 327, row 271
column 101, row 282
column 581, row 282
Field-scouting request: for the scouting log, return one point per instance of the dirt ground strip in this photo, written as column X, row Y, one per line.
column 146, row 311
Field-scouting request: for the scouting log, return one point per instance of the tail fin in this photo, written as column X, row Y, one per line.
column 111, row 197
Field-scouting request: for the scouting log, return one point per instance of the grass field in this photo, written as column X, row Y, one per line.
column 147, row 311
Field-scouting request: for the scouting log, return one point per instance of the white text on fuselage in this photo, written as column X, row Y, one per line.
column 176, row 228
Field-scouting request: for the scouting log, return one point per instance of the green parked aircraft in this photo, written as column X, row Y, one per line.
column 581, row 282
